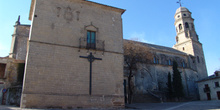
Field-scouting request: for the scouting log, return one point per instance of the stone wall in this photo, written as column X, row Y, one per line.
column 11, row 84
column 19, row 42
column 151, row 77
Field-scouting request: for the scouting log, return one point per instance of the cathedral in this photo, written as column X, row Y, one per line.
column 74, row 58
column 150, row 79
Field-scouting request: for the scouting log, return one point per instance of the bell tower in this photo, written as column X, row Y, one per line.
column 187, row 40
column 12, row 53
column 185, row 30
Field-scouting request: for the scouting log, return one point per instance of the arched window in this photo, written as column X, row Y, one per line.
column 170, row 62
column 183, row 64
column 177, row 39
column 192, row 26
column 186, row 25
column 156, row 60
column 180, row 27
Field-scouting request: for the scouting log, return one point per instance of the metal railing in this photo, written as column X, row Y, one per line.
column 100, row 45
column 207, row 89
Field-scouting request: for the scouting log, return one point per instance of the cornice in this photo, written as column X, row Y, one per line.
column 121, row 11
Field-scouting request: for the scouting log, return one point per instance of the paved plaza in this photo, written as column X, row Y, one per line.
column 195, row 105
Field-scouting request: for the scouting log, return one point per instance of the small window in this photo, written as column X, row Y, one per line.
column 186, row 25
column 216, row 84
column 91, row 40
column 198, row 59
column 184, row 14
column 2, row 70
column 183, row 48
column 178, row 16
column 180, row 27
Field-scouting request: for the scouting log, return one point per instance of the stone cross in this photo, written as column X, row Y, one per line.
column 90, row 58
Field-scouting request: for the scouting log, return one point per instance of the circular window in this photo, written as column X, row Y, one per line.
column 178, row 16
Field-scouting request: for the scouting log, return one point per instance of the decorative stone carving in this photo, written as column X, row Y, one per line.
column 58, row 11
column 77, row 12
column 68, row 15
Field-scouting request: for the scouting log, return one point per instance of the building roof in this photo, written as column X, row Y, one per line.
column 209, row 78
column 181, row 9
column 159, row 48
column 81, row 1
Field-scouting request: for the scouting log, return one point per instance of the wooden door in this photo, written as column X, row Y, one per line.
column 218, row 95
column 208, row 96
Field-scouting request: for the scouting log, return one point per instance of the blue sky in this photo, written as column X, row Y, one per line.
column 150, row 21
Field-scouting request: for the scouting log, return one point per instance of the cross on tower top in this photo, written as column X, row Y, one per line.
column 179, row 3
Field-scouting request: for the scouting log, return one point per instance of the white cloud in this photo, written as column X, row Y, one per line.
column 139, row 37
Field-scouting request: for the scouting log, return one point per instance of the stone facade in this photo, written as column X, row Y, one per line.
column 55, row 75
column 209, row 88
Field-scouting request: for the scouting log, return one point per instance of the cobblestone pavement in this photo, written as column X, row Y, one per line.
column 195, row 105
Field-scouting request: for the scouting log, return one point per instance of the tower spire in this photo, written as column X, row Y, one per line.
column 18, row 21
column 179, row 3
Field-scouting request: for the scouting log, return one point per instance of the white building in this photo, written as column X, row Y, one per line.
column 209, row 88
